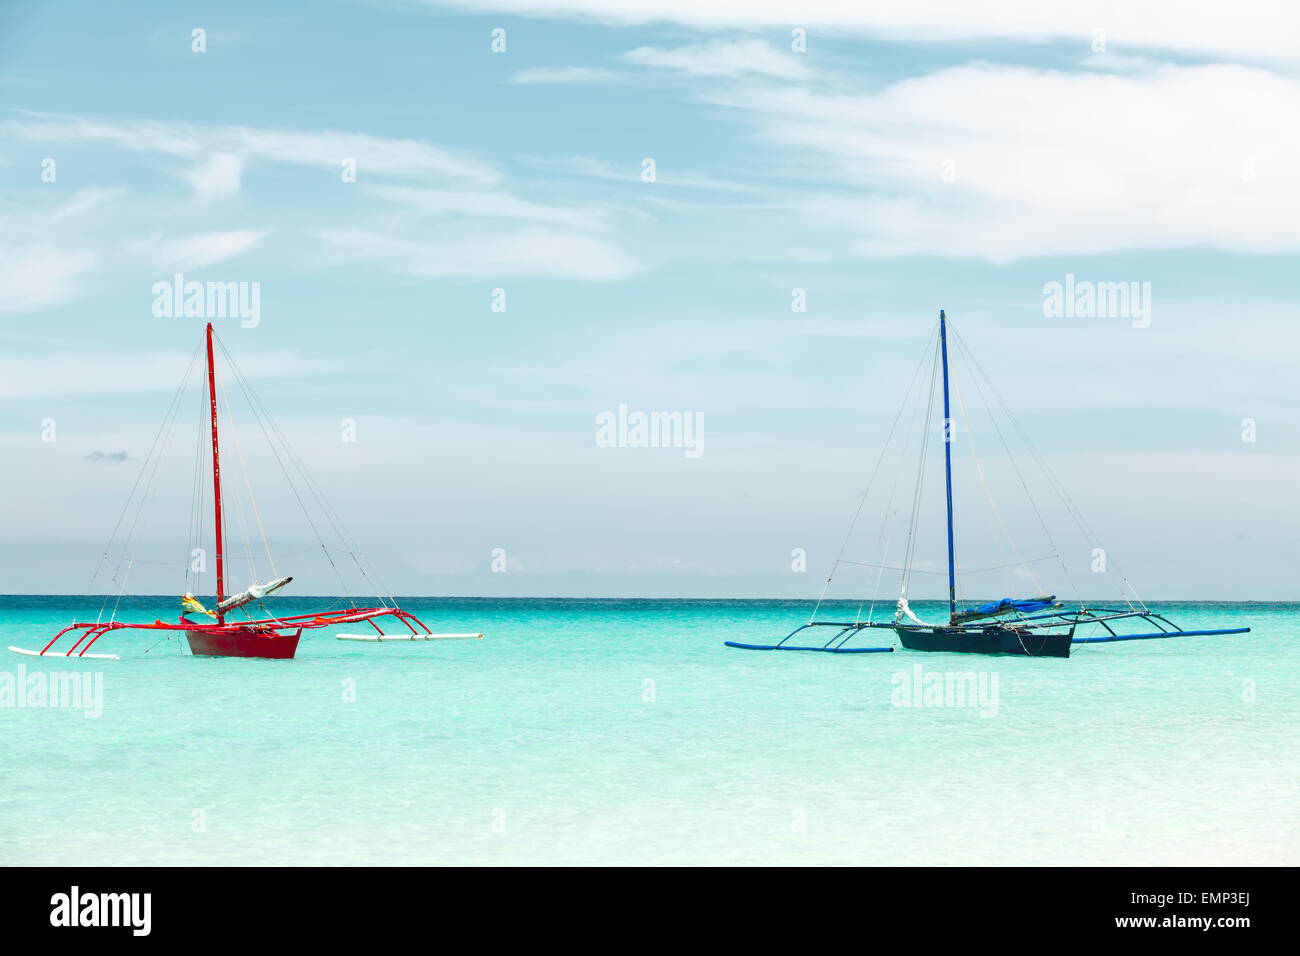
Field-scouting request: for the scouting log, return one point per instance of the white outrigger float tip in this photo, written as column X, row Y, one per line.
column 97, row 657
column 384, row 638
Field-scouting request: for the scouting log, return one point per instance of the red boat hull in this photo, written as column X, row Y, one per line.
column 242, row 642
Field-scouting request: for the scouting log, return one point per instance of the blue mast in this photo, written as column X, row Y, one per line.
column 947, row 465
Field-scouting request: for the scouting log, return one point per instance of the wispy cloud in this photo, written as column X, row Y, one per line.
column 219, row 154
column 1006, row 162
column 40, row 276
column 54, row 250
column 570, row 75
column 528, row 253
column 207, row 249
column 482, row 205
column 216, row 177
column 84, row 200
column 70, row 373
column 665, row 175
column 46, row 253
column 723, row 58
column 1231, row 31
column 497, row 233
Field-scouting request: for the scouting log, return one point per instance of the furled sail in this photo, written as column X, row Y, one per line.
column 190, row 603
column 904, row 612
column 1004, row 606
column 254, row 593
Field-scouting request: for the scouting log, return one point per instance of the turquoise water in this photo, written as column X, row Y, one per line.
column 544, row 743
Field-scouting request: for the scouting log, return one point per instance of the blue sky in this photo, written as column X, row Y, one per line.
column 930, row 156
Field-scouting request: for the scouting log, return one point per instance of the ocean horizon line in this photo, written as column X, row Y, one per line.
column 1100, row 602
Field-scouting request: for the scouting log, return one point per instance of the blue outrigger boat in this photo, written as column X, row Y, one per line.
column 1033, row 627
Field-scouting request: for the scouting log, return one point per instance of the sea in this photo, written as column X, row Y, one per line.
column 624, row 732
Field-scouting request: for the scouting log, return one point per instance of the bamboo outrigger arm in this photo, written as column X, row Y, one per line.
column 290, row 626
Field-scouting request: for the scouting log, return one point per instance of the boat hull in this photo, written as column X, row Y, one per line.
column 242, row 642
column 986, row 640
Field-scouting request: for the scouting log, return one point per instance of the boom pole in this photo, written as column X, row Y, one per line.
column 216, row 479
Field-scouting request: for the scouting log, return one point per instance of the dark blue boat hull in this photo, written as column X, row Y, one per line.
column 986, row 640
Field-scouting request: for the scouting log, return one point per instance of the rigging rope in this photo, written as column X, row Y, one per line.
column 1053, row 482
column 144, row 465
column 979, row 470
column 909, row 551
column 969, row 573
column 261, row 412
column 1033, row 504
column 870, row 481
column 253, row 402
column 889, row 511
column 243, row 467
column 195, row 530
column 165, row 433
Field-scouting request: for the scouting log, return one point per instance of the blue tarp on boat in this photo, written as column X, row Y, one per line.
column 1005, row 606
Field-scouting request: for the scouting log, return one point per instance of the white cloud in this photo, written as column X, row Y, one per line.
column 723, row 58
column 220, row 153
column 1253, row 29
column 41, row 267
column 1119, row 63
column 665, row 175
column 487, row 205
column 39, row 276
column 1044, row 162
column 54, row 249
column 498, row 235
column 540, row 253
column 84, row 200
column 96, row 374
column 565, row 75
column 217, row 177
column 209, row 248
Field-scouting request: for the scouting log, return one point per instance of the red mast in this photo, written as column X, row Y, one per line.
column 216, row 478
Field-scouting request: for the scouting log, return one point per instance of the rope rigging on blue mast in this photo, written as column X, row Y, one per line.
column 1004, row 626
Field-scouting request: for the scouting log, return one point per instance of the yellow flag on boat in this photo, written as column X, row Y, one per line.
column 190, row 603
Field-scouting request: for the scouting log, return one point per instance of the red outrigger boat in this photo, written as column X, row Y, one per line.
column 269, row 637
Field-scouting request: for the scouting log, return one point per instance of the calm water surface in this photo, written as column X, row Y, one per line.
column 624, row 732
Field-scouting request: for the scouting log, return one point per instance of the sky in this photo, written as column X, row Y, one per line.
column 476, row 229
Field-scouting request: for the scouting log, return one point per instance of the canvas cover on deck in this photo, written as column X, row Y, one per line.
column 1004, row 606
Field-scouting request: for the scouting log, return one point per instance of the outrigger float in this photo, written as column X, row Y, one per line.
column 1033, row 627
column 215, row 635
